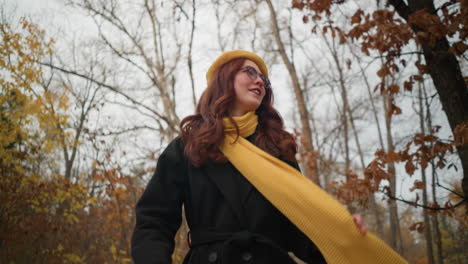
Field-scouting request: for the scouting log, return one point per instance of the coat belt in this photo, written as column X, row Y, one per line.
column 242, row 238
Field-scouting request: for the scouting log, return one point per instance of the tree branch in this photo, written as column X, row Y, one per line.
column 427, row 207
column 114, row 89
column 400, row 6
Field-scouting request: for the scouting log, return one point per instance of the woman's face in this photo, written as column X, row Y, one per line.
column 249, row 89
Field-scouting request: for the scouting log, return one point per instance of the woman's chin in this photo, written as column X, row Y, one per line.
column 248, row 107
column 253, row 106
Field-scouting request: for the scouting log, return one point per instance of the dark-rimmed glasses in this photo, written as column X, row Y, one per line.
column 253, row 74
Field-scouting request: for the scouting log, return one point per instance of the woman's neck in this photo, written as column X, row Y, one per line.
column 238, row 113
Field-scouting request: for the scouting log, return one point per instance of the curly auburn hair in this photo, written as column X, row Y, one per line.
column 203, row 132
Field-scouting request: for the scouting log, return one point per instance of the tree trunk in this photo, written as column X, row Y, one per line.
column 189, row 57
column 427, row 223
column 435, row 222
column 310, row 171
column 446, row 75
column 346, row 108
column 435, row 217
column 373, row 203
column 395, row 232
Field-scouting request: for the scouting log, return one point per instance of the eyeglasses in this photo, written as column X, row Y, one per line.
column 253, row 74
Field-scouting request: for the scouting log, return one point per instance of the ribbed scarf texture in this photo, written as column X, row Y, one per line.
column 324, row 220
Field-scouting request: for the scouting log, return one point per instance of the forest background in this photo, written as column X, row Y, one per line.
column 93, row 91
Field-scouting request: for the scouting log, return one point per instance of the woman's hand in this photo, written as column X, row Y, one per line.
column 296, row 259
column 360, row 224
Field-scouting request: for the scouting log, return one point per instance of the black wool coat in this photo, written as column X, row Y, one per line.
column 229, row 220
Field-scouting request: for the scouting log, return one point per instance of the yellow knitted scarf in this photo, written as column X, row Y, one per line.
column 318, row 215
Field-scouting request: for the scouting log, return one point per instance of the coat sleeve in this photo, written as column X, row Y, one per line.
column 158, row 212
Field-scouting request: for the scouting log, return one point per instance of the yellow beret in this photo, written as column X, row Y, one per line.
column 234, row 54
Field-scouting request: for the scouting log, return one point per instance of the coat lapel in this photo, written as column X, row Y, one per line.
column 245, row 193
column 221, row 174
column 244, row 186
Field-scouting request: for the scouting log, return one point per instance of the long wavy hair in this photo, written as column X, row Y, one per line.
column 203, row 132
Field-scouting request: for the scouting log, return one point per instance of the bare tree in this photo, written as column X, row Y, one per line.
column 85, row 97
column 434, row 217
column 310, row 171
column 192, row 33
column 395, row 231
column 149, row 47
column 427, row 223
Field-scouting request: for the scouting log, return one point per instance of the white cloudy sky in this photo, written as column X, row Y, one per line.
column 52, row 15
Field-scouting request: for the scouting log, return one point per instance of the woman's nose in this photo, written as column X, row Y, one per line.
column 259, row 80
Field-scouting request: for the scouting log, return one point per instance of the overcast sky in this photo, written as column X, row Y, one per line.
column 57, row 20
column 34, row 7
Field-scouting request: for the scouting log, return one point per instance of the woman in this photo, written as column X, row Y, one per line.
column 230, row 221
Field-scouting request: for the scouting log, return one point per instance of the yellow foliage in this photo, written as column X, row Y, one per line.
column 28, row 124
column 36, row 203
column 72, row 258
column 33, row 206
column 30, row 118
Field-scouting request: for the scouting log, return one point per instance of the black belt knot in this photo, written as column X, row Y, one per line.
column 242, row 238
